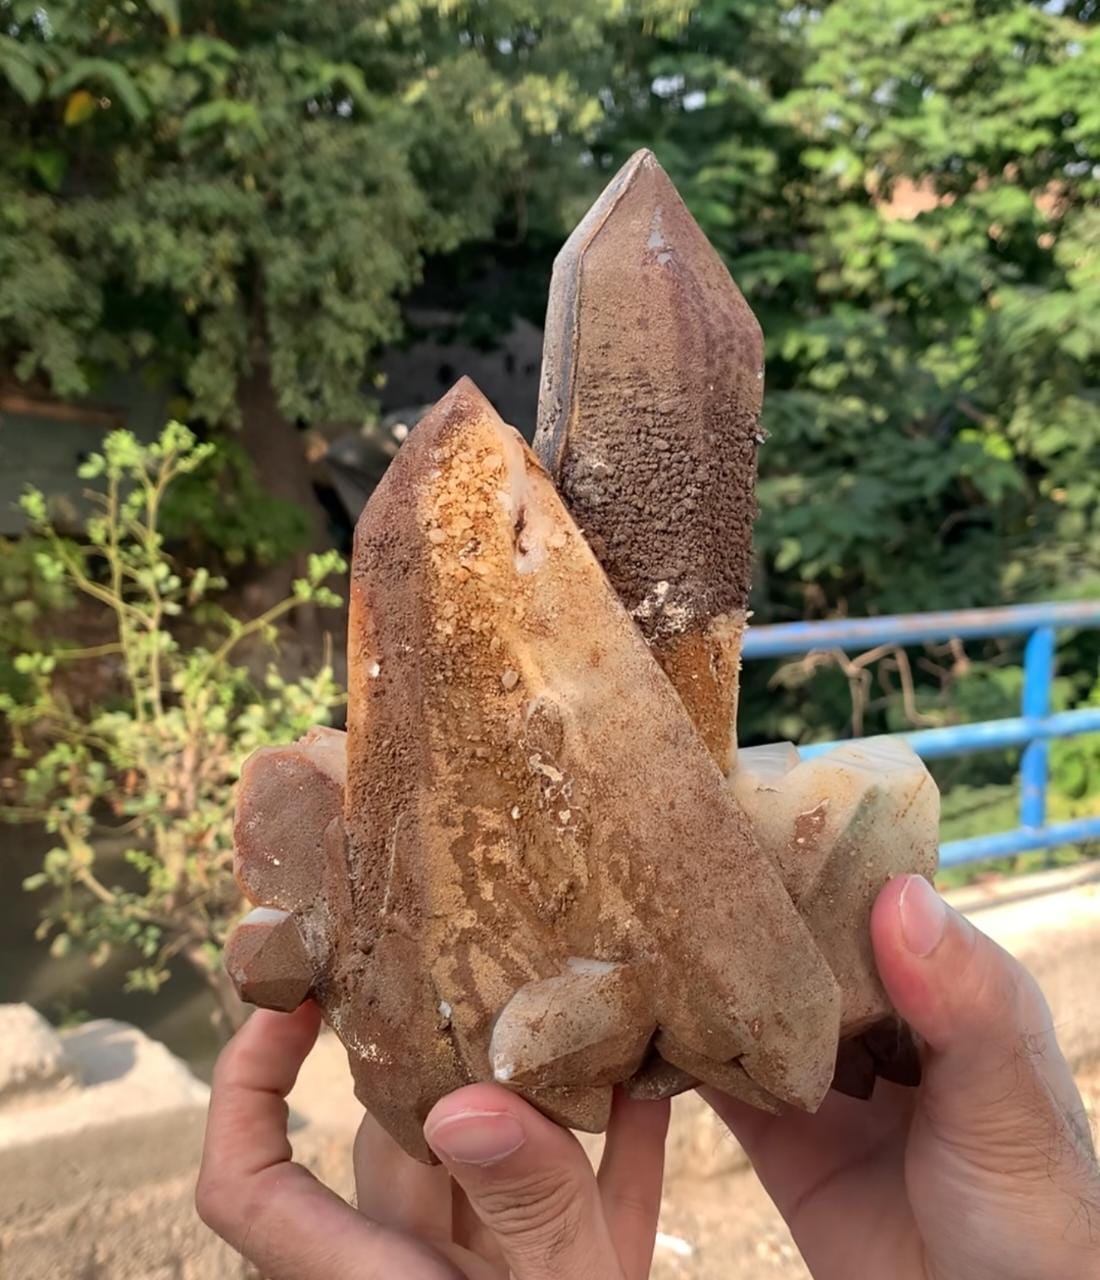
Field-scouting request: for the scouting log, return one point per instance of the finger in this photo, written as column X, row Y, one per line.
column 995, row 1076
column 797, row 1153
column 471, row 1233
column 630, row 1178
column 246, row 1127
column 844, row 1164
column 528, row 1181
column 397, row 1191
column 271, row 1210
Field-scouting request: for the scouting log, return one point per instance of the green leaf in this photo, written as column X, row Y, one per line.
column 19, row 70
column 224, row 115
column 33, row 503
column 112, row 76
column 169, row 10
column 51, row 164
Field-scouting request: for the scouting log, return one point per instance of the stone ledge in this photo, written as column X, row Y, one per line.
column 97, row 1183
column 137, row 1119
column 33, row 1063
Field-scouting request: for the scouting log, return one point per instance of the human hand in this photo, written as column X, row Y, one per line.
column 987, row 1172
column 515, row 1196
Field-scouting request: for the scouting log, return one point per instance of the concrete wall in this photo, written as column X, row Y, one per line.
column 43, row 445
column 101, row 1127
column 100, row 1136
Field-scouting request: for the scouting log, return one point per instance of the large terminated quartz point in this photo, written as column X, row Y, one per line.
column 536, row 857
column 525, row 806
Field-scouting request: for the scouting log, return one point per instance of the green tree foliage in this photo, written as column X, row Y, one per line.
column 221, row 186
column 906, row 191
column 154, row 761
column 217, row 186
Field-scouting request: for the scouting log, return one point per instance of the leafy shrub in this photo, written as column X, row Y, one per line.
column 155, row 763
column 221, row 507
column 25, row 597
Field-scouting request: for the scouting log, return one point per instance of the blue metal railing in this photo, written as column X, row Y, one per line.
column 1033, row 729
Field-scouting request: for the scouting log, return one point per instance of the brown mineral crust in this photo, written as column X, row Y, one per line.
column 855, row 1069
column 894, row 1050
column 286, row 799
column 652, row 441
column 705, row 668
column 381, row 1004
column 729, row 1077
column 887, row 1050
column 509, row 733
column 588, row 1110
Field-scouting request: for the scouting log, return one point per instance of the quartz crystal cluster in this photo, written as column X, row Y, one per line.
column 536, row 855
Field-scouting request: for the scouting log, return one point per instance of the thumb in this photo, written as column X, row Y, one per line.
column 996, row 1086
column 528, row 1181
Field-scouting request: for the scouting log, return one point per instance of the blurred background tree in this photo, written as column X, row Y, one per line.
column 239, row 193
column 905, row 189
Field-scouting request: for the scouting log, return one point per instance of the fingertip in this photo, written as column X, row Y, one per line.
column 296, row 1028
column 269, row 1045
column 631, row 1174
column 646, row 1115
column 637, row 1128
column 905, row 980
column 884, row 912
column 477, row 1097
column 936, row 967
column 480, row 1124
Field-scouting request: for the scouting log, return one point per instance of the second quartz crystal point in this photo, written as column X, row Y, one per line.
column 651, row 439
column 649, row 415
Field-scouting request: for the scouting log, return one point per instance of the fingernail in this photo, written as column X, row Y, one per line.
column 476, row 1137
column 923, row 916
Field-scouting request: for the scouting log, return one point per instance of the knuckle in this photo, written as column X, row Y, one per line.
column 236, row 1208
column 1012, row 1005
column 212, row 1201
column 990, row 985
column 543, row 1211
column 632, row 1206
column 225, row 1068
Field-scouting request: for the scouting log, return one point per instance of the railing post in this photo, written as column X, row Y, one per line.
column 1038, row 678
